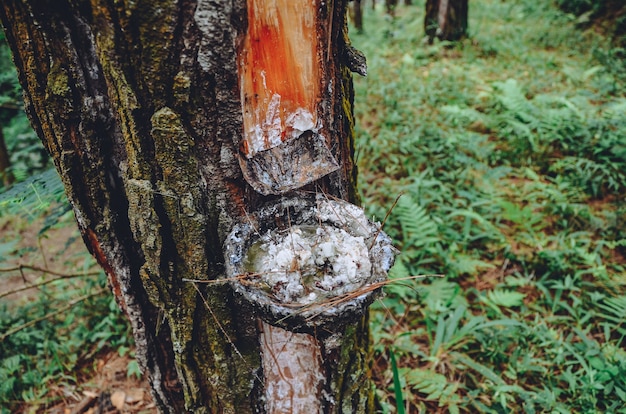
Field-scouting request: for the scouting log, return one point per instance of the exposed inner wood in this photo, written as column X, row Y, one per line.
column 282, row 87
column 279, row 69
column 293, row 372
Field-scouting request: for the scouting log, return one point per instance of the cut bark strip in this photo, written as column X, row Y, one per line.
column 282, row 85
column 290, row 165
column 293, row 371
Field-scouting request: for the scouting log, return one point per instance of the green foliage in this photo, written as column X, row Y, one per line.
column 10, row 90
column 590, row 10
column 55, row 349
column 52, row 338
column 39, row 195
column 588, row 138
column 579, row 7
column 610, row 17
column 35, row 196
column 27, row 154
column 508, row 150
column 434, row 387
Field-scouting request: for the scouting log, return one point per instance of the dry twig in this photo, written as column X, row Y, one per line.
column 21, row 268
column 59, row 311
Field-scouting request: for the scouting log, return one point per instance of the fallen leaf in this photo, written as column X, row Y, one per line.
column 90, row 394
column 134, row 395
column 117, row 399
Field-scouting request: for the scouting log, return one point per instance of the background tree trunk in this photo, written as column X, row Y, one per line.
column 446, row 19
column 138, row 104
column 357, row 15
column 5, row 163
column 391, row 6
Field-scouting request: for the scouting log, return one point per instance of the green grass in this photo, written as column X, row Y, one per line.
column 510, row 152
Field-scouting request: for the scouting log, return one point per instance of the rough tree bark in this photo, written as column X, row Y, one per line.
column 446, row 19
column 142, row 105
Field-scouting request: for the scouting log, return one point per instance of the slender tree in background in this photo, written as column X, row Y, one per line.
column 390, row 5
column 6, row 177
column 173, row 123
column 446, row 19
column 8, row 108
column 357, row 15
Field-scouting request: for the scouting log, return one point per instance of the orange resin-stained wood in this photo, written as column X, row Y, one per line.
column 279, row 71
column 281, row 88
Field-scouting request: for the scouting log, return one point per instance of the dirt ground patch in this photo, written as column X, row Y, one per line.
column 109, row 391
column 28, row 257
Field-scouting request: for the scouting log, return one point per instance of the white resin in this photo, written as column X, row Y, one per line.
column 271, row 131
column 304, row 263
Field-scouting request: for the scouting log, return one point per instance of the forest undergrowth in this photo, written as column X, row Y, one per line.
column 507, row 151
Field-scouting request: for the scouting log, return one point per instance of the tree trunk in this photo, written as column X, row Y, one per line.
column 391, row 6
column 446, row 19
column 357, row 15
column 5, row 163
column 168, row 140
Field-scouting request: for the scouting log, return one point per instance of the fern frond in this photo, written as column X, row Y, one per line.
column 427, row 382
column 505, row 298
column 512, row 97
column 36, row 193
column 439, row 294
column 399, row 270
column 418, row 228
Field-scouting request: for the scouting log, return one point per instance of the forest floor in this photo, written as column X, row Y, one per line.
column 508, row 152
column 100, row 383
